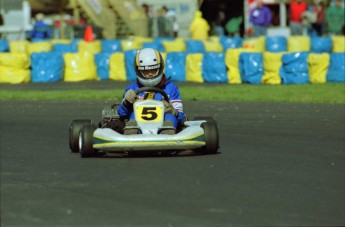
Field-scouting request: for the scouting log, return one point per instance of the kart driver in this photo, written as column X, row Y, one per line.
column 149, row 68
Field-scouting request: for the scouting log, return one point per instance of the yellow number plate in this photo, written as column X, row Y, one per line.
column 149, row 113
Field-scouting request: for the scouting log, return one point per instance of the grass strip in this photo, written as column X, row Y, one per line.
column 316, row 93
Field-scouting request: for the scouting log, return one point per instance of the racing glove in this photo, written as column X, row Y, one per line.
column 169, row 109
column 130, row 96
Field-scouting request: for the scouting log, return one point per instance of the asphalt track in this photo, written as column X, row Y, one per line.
column 279, row 165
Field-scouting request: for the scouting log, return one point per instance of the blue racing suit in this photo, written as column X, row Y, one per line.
column 126, row 111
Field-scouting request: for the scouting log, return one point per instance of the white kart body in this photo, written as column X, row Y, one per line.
column 149, row 115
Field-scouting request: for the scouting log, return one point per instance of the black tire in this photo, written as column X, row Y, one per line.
column 74, row 129
column 207, row 119
column 211, row 138
column 86, row 141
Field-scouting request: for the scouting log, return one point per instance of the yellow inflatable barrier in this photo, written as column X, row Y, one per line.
column 14, row 75
column 177, row 45
column 140, row 40
column 60, row 41
column 117, row 67
column 272, row 64
column 318, row 66
column 212, row 46
column 19, row 47
column 164, row 56
column 94, row 47
column 255, row 44
column 40, row 47
column 194, row 68
column 214, row 38
column 338, row 44
column 232, row 57
column 128, row 44
column 298, row 43
column 15, row 60
column 79, row 67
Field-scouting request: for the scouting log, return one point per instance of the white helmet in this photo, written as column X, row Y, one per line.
column 149, row 67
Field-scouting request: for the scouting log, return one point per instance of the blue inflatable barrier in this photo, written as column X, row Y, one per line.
column 227, row 42
column 321, row 44
column 159, row 43
column 36, row 40
column 176, row 66
column 47, row 67
column 276, row 43
column 251, row 67
column 213, row 67
column 75, row 42
column 129, row 61
column 294, row 68
column 195, row 46
column 111, row 46
column 102, row 63
column 64, row 48
column 336, row 69
column 4, row 46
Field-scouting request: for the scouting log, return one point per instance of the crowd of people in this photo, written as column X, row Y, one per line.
column 318, row 18
column 167, row 24
column 321, row 17
column 315, row 19
column 166, row 21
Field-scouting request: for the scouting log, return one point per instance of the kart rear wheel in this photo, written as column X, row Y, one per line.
column 211, row 138
column 74, row 129
column 86, row 141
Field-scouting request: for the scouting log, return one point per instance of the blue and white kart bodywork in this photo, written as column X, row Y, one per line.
column 198, row 135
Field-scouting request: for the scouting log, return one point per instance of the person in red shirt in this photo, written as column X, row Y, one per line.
column 297, row 8
column 319, row 10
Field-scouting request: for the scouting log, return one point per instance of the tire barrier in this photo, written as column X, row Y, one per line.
column 262, row 60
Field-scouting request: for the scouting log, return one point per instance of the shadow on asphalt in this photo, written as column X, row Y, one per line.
column 183, row 154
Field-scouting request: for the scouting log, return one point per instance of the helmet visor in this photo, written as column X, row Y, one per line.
column 149, row 73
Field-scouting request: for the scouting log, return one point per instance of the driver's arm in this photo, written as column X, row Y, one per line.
column 175, row 100
column 126, row 107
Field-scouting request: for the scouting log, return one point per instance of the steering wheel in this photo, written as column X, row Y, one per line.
column 154, row 89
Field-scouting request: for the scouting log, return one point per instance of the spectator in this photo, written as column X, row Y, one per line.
column 164, row 23
column 217, row 29
column 335, row 18
column 297, row 8
column 260, row 17
column 2, row 14
column 233, row 26
column 160, row 23
column 319, row 10
column 199, row 27
column 171, row 23
column 148, row 12
column 221, row 18
column 40, row 29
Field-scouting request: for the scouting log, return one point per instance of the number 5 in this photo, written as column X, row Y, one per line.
column 149, row 113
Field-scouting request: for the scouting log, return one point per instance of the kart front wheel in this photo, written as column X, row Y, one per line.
column 86, row 141
column 211, row 138
column 74, row 129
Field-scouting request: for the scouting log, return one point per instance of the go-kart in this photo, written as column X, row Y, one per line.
column 199, row 135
